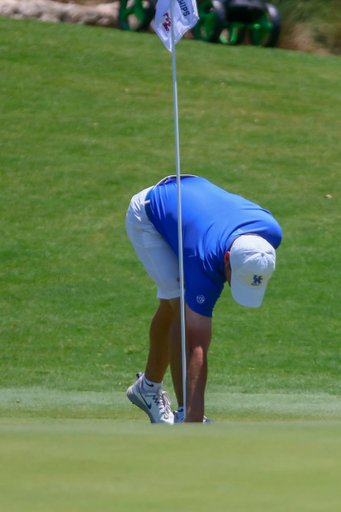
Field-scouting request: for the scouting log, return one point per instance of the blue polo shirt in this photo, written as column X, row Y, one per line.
column 211, row 219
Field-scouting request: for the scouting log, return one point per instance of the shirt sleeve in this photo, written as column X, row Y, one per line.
column 201, row 292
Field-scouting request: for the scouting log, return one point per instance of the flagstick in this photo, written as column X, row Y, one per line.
column 181, row 262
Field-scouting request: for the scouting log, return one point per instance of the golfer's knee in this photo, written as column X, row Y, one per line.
column 165, row 308
column 175, row 305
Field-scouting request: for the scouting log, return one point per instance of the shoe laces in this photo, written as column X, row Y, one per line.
column 163, row 402
column 161, row 399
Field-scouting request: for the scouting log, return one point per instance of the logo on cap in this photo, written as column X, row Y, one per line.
column 200, row 299
column 257, row 280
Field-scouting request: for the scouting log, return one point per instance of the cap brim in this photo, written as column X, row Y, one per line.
column 245, row 295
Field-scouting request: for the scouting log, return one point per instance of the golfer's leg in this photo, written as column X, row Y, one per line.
column 175, row 354
column 158, row 358
column 162, row 265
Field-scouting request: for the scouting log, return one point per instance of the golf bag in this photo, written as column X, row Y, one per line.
column 244, row 11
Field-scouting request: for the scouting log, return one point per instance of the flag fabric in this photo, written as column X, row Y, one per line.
column 185, row 14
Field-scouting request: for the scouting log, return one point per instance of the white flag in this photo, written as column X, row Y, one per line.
column 185, row 14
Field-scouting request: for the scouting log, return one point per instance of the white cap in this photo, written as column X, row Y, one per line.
column 252, row 261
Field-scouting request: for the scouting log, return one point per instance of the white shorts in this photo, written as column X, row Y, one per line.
column 158, row 258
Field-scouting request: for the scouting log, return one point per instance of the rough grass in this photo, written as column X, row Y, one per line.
column 310, row 25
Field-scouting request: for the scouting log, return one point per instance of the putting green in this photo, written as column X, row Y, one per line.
column 72, row 465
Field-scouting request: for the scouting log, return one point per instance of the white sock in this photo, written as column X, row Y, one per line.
column 148, row 385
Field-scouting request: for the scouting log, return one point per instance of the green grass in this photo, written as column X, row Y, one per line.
column 86, row 466
column 25, row 403
column 87, row 120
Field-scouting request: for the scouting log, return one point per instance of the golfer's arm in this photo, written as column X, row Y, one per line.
column 198, row 334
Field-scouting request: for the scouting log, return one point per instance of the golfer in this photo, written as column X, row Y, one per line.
column 225, row 238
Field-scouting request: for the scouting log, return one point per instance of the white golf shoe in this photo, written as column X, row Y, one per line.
column 155, row 403
column 179, row 417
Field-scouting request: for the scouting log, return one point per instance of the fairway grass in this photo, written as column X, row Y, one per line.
column 87, row 121
column 40, row 403
column 83, row 466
